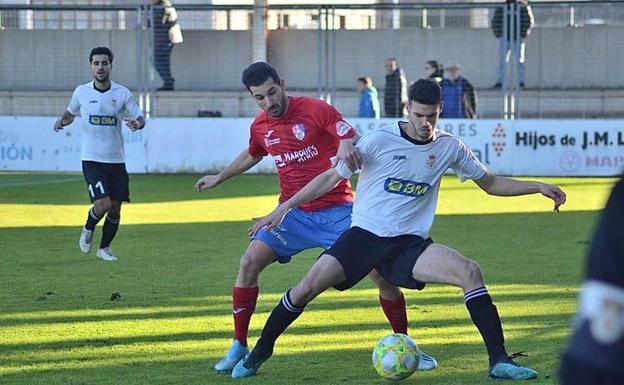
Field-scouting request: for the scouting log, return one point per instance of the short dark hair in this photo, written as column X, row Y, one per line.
column 366, row 80
column 425, row 91
column 101, row 51
column 258, row 73
column 434, row 64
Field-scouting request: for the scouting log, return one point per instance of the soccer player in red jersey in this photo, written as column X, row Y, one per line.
column 302, row 135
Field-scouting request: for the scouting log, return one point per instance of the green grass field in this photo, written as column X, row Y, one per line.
column 178, row 257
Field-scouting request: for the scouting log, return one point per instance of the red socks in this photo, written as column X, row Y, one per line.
column 243, row 306
column 396, row 313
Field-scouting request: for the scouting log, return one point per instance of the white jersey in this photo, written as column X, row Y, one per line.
column 102, row 115
column 398, row 187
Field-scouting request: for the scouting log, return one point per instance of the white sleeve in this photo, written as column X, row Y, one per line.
column 132, row 107
column 466, row 165
column 74, row 104
column 343, row 170
column 363, row 146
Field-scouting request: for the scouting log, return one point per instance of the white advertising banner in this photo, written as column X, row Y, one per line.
column 170, row 145
column 198, row 145
column 30, row 144
column 568, row 147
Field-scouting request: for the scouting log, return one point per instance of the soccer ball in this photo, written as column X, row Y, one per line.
column 396, row 357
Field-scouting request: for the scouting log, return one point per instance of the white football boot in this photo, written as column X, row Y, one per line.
column 106, row 254
column 86, row 240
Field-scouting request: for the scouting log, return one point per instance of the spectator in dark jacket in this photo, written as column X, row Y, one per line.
column 166, row 33
column 458, row 95
column 395, row 94
column 511, row 46
column 434, row 71
column 369, row 101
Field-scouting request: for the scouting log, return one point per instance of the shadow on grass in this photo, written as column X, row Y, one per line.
column 159, row 264
column 71, row 188
column 464, row 363
column 543, row 323
column 187, row 265
column 212, row 307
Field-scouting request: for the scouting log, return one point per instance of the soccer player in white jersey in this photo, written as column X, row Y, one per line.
column 393, row 212
column 103, row 105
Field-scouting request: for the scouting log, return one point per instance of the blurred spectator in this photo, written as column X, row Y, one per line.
column 167, row 32
column 369, row 101
column 511, row 46
column 458, row 95
column 434, row 71
column 395, row 94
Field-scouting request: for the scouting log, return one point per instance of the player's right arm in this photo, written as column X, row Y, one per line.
column 315, row 188
column 72, row 110
column 243, row 162
column 65, row 120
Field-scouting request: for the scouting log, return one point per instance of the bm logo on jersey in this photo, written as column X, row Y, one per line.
column 101, row 120
column 406, row 187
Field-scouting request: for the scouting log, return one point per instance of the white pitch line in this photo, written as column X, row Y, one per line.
column 39, row 183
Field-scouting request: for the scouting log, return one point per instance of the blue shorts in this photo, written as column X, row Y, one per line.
column 302, row 230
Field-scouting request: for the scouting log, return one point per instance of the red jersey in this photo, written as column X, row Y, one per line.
column 302, row 143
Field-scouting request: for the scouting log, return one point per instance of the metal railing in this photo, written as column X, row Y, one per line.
column 346, row 16
column 321, row 49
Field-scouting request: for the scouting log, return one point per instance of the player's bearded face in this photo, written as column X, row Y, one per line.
column 101, row 67
column 423, row 119
column 271, row 97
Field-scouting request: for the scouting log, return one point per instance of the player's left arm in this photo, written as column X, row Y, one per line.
column 136, row 121
column 503, row 186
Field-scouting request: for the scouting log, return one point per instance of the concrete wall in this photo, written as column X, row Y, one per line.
column 213, row 60
column 59, row 60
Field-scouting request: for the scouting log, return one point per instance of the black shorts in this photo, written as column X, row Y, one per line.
column 360, row 251
column 106, row 180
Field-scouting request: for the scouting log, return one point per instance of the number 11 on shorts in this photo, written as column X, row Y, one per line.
column 98, row 185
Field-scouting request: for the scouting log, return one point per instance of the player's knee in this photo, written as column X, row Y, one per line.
column 377, row 278
column 114, row 210
column 102, row 206
column 251, row 265
column 303, row 293
column 386, row 289
column 473, row 278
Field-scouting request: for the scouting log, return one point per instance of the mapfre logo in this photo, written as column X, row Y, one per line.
column 299, row 156
column 343, row 128
column 269, row 141
column 499, row 139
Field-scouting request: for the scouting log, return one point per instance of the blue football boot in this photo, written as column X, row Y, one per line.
column 250, row 364
column 236, row 352
column 508, row 369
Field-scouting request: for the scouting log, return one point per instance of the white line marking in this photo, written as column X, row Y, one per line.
column 38, row 183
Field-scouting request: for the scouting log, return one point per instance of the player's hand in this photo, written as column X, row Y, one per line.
column 207, row 182
column 554, row 193
column 268, row 222
column 348, row 153
column 133, row 124
column 58, row 125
